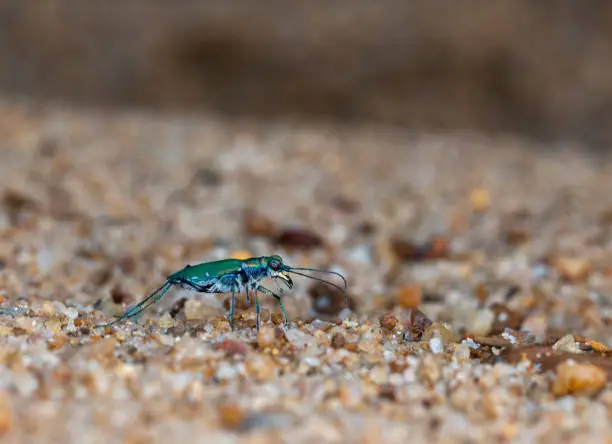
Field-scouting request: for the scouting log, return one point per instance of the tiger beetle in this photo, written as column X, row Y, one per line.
column 233, row 276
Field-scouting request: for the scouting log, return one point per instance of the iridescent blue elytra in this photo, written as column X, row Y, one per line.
column 233, row 276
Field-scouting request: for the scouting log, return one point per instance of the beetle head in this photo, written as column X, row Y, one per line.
column 278, row 270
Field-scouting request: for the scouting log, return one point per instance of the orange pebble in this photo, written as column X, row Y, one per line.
column 409, row 296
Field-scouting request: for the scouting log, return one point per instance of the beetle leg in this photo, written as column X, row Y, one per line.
column 232, row 304
column 257, row 310
column 264, row 290
column 145, row 303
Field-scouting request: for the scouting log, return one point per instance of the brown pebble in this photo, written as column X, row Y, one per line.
column 387, row 391
column 417, row 323
column 482, row 293
column 353, row 347
column 366, row 228
column 61, row 204
column 177, row 307
column 298, row 239
column 48, row 147
column 505, row 318
column 101, row 277
column 329, row 301
column 516, row 236
column 240, row 303
column 256, row 224
column 232, row 348
column 277, row 318
column 206, row 177
column 579, row 379
column 389, row 321
column 118, row 295
column 17, row 200
column 434, row 248
column 397, row 366
column 338, row 340
column 490, row 341
column 127, row 265
column 345, row 204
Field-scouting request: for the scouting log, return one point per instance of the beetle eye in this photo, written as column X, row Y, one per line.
column 274, row 265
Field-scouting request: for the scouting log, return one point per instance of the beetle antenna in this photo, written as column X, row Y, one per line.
column 339, row 288
column 316, row 270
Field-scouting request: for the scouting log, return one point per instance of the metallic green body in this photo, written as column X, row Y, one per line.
column 202, row 273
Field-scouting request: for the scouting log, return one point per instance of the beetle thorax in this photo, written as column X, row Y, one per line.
column 254, row 273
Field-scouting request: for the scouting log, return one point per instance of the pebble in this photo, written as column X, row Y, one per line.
column 480, row 198
column 262, row 368
column 194, row 310
column 256, row 224
column 441, row 331
column 360, row 254
column 429, row 369
column 7, row 415
column 579, row 379
column 573, row 269
column 266, row 337
column 54, row 324
column 436, row 346
column 389, row 321
column 226, row 371
column 166, row 321
column 300, row 339
column 48, row 308
column 232, row 347
column 298, row 238
column 240, row 255
column 230, row 415
column 409, row 296
column 567, row 344
column 72, row 313
column 482, row 322
column 537, row 325
column 338, row 340
column 25, row 323
column 461, row 352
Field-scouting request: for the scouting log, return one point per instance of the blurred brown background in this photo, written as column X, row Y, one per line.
column 542, row 69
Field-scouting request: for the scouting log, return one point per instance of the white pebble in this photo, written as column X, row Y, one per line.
column 299, row 338
column 226, row 372
column 72, row 313
column 436, row 346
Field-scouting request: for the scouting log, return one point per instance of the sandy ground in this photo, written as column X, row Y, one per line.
column 479, row 277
